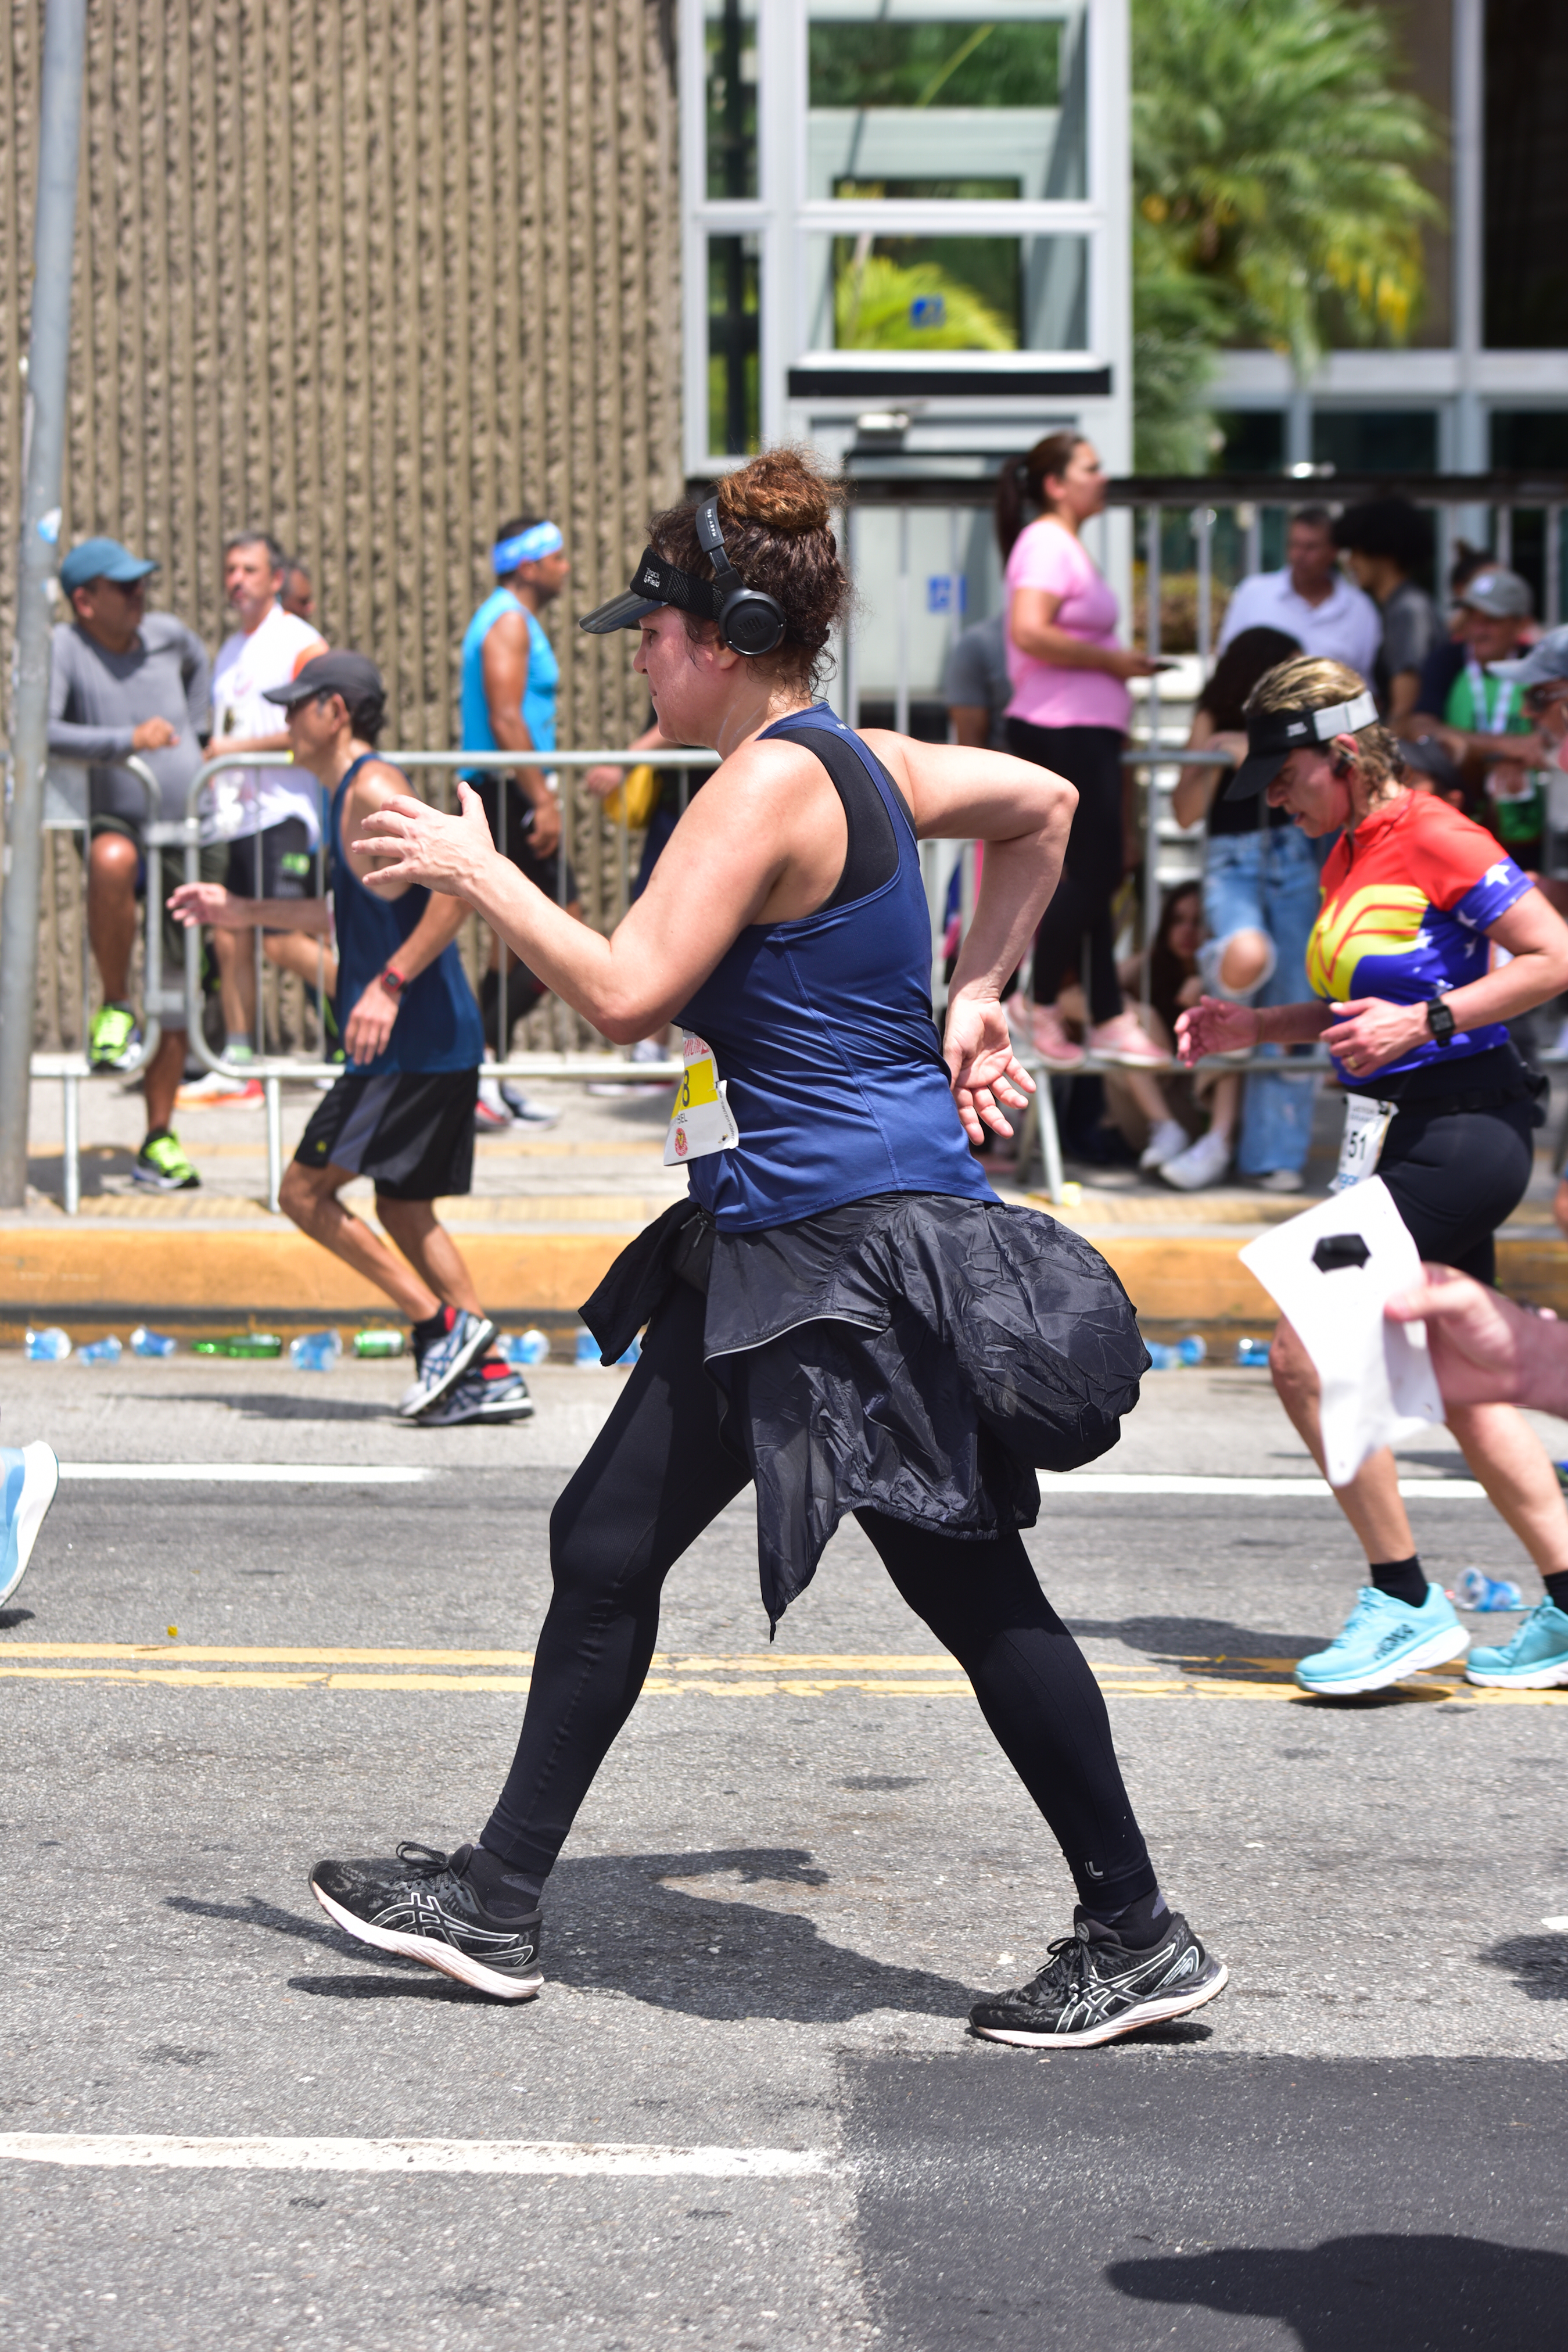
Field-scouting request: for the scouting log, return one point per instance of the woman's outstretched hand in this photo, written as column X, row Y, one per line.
column 1485, row 1350
column 983, row 1070
column 410, row 842
column 1214, row 1025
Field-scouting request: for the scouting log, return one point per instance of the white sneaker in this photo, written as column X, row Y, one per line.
column 215, row 1087
column 490, row 1112
column 523, row 1109
column 1203, row 1163
column 1168, row 1139
column 1279, row 1180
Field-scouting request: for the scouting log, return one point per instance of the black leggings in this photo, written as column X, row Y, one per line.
column 1091, row 758
column 654, row 1477
column 1456, row 1177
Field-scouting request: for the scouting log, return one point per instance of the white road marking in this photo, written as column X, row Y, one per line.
column 167, row 2150
column 1306, row 1490
column 255, row 1474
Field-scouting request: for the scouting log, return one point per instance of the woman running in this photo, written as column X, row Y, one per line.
column 1438, row 1102
column 841, row 1312
column 1069, row 711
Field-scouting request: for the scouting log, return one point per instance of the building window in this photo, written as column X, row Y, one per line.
column 1526, row 176
column 1375, row 440
column 731, row 82
column 934, row 293
column 734, row 383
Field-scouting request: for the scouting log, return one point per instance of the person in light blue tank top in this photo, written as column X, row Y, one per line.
column 841, row 1313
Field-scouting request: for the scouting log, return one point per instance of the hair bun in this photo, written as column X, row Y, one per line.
column 784, row 490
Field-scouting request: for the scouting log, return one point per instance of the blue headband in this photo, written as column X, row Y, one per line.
column 539, row 539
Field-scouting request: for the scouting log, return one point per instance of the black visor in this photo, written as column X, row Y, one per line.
column 1273, row 735
column 654, row 582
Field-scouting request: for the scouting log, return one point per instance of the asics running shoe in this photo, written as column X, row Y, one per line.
column 28, row 1476
column 430, row 1910
column 442, row 1361
column 1536, row 1658
column 115, row 1037
column 1093, row 1988
column 490, row 1392
column 1383, row 1641
column 161, row 1166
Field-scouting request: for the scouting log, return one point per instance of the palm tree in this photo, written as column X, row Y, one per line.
column 1274, row 177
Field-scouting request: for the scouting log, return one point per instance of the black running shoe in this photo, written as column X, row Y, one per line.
column 1093, row 1988
column 490, row 1392
column 429, row 1911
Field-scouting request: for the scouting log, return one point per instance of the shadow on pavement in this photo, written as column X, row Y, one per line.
column 265, row 1404
column 1197, row 1641
column 1371, row 2294
column 1539, row 1963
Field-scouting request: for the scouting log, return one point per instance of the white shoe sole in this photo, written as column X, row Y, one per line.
column 450, row 1962
column 417, row 1399
column 1435, row 1651
column 1147, row 2012
column 40, row 1476
column 1536, row 1678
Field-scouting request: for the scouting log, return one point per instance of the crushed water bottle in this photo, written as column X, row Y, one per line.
column 1478, row 1591
column 101, row 1351
column 144, row 1342
column 530, row 1347
column 1253, row 1354
column 315, row 1352
column 1192, row 1350
column 50, row 1346
column 587, row 1348
column 1161, row 1357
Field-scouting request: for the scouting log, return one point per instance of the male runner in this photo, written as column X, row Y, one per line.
column 271, row 820
column 509, row 677
column 403, row 1114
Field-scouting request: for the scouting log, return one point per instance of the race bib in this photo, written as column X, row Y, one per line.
column 1366, row 1123
column 700, row 1122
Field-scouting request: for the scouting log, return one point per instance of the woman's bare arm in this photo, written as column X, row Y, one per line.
column 1032, row 625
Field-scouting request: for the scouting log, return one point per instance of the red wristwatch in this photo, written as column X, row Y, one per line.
column 392, row 980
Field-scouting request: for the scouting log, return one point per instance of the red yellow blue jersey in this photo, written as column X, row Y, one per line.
column 1407, row 900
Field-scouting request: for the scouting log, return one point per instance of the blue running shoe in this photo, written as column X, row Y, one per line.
column 28, row 1476
column 1536, row 1658
column 1383, row 1640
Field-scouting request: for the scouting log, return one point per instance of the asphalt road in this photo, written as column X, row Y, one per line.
column 792, row 1876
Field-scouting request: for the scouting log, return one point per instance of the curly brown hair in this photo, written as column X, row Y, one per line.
column 1313, row 683
column 775, row 511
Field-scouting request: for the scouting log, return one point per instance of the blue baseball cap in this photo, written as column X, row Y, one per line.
column 102, row 559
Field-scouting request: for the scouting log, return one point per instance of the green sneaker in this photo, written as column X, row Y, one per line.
column 116, row 1034
column 161, row 1165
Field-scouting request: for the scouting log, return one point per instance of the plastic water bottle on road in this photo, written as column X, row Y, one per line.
column 530, row 1347
column 1252, row 1354
column 50, row 1346
column 315, row 1352
column 101, row 1352
column 144, row 1342
column 1478, row 1591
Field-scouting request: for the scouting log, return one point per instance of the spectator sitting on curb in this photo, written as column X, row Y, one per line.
column 123, row 679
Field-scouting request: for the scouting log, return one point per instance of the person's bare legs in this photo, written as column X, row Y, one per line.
column 302, row 953
column 429, row 1250
column 1371, row 1501
column 1245, row 960
column 235, row 952
column 308, row 1196
column 1225, row 1102
column 112, row 862
column 160, row 1080
column 1513, row 1466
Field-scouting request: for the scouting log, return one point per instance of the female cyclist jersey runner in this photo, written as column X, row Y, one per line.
column 841, row 1312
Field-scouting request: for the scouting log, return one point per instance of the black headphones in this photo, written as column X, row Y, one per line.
column 748, row 622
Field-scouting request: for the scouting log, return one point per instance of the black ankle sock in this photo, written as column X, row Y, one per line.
column 434, row 1326
column 1557, row 1589
column 1402, row 1579
column 1136, row 1925
column 505, row 1893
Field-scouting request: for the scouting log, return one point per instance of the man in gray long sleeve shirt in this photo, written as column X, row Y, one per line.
column 125, row 680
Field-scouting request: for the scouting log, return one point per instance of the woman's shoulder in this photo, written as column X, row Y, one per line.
column 1045, row 547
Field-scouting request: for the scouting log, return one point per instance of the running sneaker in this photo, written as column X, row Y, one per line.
column 430, row 1911
column 161, row 1166
column 28, row 1476
column 1536, row 1658
column 1277, row 1180
column 490, row 1391
column 1040, row 1033
column 218, row 1089
column 1383, row 1641
column 524, row 1108
column 1203, row 1163
column 1125, row 1042
column 1168, row 1141
column 115, row 1037
column 441, row 1363
column 1093, row 1988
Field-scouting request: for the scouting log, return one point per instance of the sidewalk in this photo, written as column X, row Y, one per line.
column 548, row 1212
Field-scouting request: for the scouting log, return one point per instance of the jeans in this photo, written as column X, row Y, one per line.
column 1268, row 881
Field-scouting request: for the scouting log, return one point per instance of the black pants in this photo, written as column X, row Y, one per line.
column 655, row 1476
column 1456, row 1177
column 1091, row 758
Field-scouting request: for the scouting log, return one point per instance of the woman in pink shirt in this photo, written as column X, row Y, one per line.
column 1069, row 713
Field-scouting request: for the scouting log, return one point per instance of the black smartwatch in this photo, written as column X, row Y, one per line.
column 1439, row 1021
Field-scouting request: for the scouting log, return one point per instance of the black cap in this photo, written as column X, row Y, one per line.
column 654, row 582
column 354, row 676
column 1273, row 735
column 1428, row 755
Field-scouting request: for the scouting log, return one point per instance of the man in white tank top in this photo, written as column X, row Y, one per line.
column 266, row 814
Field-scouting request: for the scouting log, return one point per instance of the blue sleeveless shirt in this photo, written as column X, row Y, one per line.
column 438, row 1025
column 538, row 694
column 822, row 1031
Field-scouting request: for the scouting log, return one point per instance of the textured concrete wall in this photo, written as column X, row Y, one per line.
column 370, row 274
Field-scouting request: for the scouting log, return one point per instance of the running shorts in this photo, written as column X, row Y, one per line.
column 211, row 868
column 544, row 873
column 1456, row 1176
column 411, row 1131
column 285, row 867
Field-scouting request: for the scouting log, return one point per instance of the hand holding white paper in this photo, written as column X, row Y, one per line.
column 1330, row 1272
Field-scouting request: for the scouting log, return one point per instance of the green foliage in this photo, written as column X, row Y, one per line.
column 874, row 302
column 947, row 62
column 1274, row 169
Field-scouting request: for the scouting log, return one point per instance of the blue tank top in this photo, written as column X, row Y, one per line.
column 539, row 695
column 438, row 1025
column 822, row 1032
